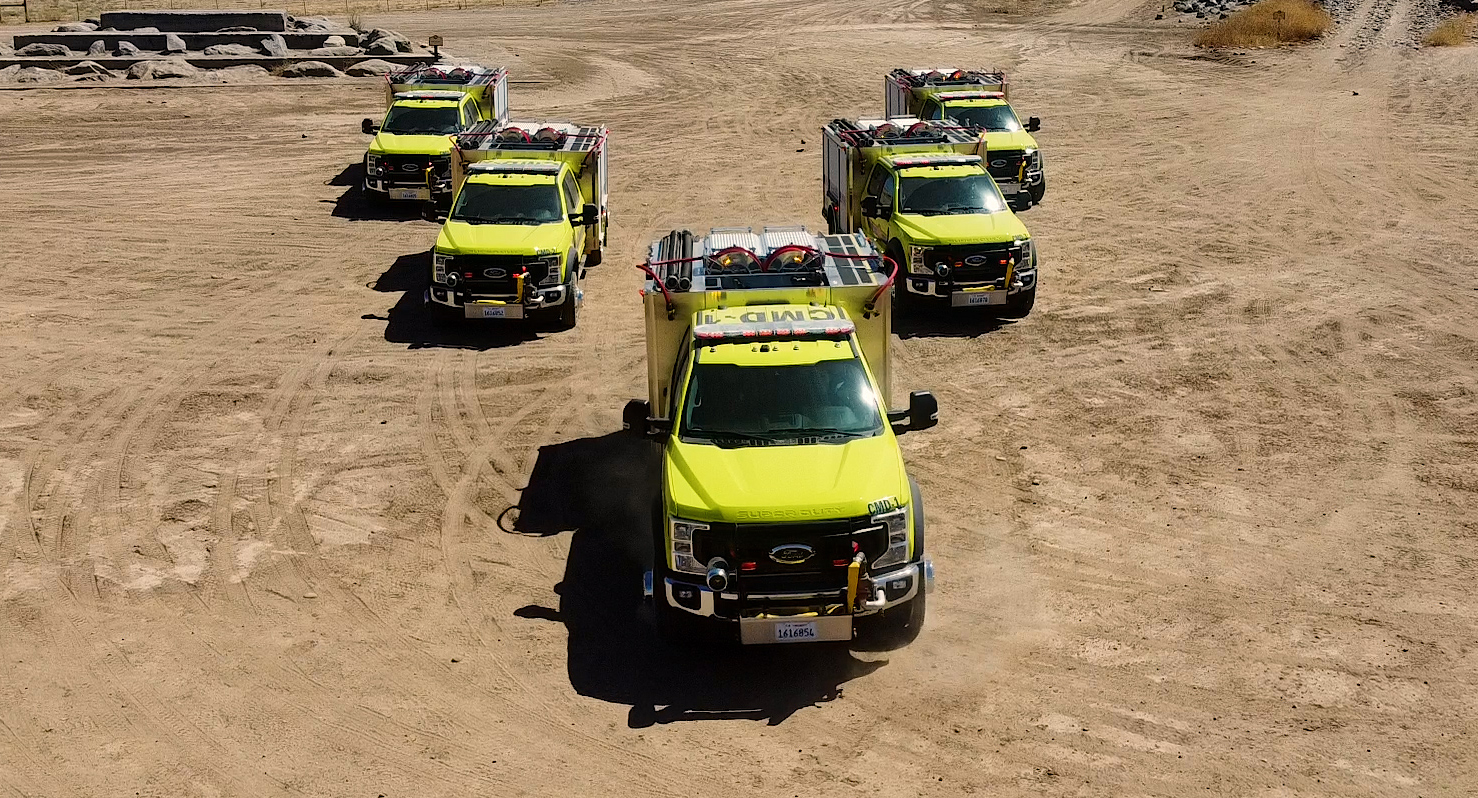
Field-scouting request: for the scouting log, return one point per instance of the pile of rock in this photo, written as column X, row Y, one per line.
column 1211, row 9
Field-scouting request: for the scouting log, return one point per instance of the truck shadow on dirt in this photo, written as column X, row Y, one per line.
column 945, row 322
column 604, row 489
column 421, row 325
column 358, row 205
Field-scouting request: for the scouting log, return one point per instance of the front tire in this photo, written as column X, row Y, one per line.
column 1039, row 191
column 1020, row 305
column 896, row 627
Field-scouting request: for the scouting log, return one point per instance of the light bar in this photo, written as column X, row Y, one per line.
column 935, row 160
column 971, row 95
column 771, row 330
column 429, row 95
column 515, row 167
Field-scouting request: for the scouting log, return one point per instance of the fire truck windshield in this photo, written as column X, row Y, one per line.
column 501, row 203
column 994, row 118
column 409, row 121
column 830, row 401
column 934, row 196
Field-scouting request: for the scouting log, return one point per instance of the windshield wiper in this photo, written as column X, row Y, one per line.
column 820, row 432
column 717, row 436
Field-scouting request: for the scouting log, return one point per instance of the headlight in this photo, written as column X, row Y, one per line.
column 897, row 524
column 439, row 264
column 683, row 560
column 1036, row 157
column 916, row 263
column 551, row 272
column 372, row 163
column 1025, row 262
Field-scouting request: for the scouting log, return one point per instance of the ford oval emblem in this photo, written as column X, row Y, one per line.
column 791, row 553
column 999, row 162
column 975, row 260
column 410, row 167
column 495, row 274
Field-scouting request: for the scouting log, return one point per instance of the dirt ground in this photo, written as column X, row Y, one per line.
column 1205, row 523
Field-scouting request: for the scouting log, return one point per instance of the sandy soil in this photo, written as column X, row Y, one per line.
column 1205, row 522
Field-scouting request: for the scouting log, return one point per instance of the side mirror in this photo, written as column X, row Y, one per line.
column 870, row 208
column 369, row 127
column 922, row 413
column 591, row 214
column 1033, row 124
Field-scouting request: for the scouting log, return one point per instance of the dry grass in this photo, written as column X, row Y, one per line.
column 1455, row 31
column 1269, row 23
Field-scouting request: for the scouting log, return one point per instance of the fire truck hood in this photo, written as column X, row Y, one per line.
column 975, row 228
column 393, row 144
column 776, row 483
column 1019, row 140
column 503, row 239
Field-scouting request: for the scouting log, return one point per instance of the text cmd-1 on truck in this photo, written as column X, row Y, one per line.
column 979, row 101
column 410, row 156
column 528, row 217
column 920, row 193
column 785, row 512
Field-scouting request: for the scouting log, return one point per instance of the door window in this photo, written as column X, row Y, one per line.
column 571, row 192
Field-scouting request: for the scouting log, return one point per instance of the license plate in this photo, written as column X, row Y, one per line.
column 795, row 631
column 975, row 298
column 494, row 311
column 410, row 193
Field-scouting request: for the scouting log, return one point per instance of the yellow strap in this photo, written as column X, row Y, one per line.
column 853, row 572
column 518, row 285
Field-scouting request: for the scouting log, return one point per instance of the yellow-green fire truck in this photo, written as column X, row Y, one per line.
column 921, row 194
column 786, row 514
column 410, row 155
column 980, row 101
column 528, row 217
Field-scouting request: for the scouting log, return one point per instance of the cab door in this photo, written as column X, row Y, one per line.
column 569, row 189
column 880, row 190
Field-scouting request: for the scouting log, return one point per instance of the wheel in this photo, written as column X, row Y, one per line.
column 565, row 316
column 1018, row 306
column 896, row 627
column 1039, row 190
column 593, row 259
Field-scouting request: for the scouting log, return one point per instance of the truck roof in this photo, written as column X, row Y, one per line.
column 787, row 321
column 901, row 131
column 932, row 159
column 513, row 166
column 771, row 352
column 462, row 76
column 957, row 96
column 739, row 259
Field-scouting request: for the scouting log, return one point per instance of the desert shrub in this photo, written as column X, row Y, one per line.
column 1261, row 25
column 1455, row 31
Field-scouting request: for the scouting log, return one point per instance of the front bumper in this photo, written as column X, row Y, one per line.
column 759, row 615
column 402, row 189
column 478, row 306
column 960, row 295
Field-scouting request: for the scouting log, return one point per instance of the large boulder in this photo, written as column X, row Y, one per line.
column 371, row 68
column 310, row 69
column 174, row 44
column 313, row 24
column 149, row 29
column 337, row 52
column 44, row 49
column 6, row 50
column 98, row 48
column 158, row 69
column 380, row 33
column 127, row 49
column 275, row 45
column 238, row 50
column 333, row 41
column 87, row 68
column 8, row 74
column 384, row 46
column 238, row 29
column 37, row 75
column 76, row 27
